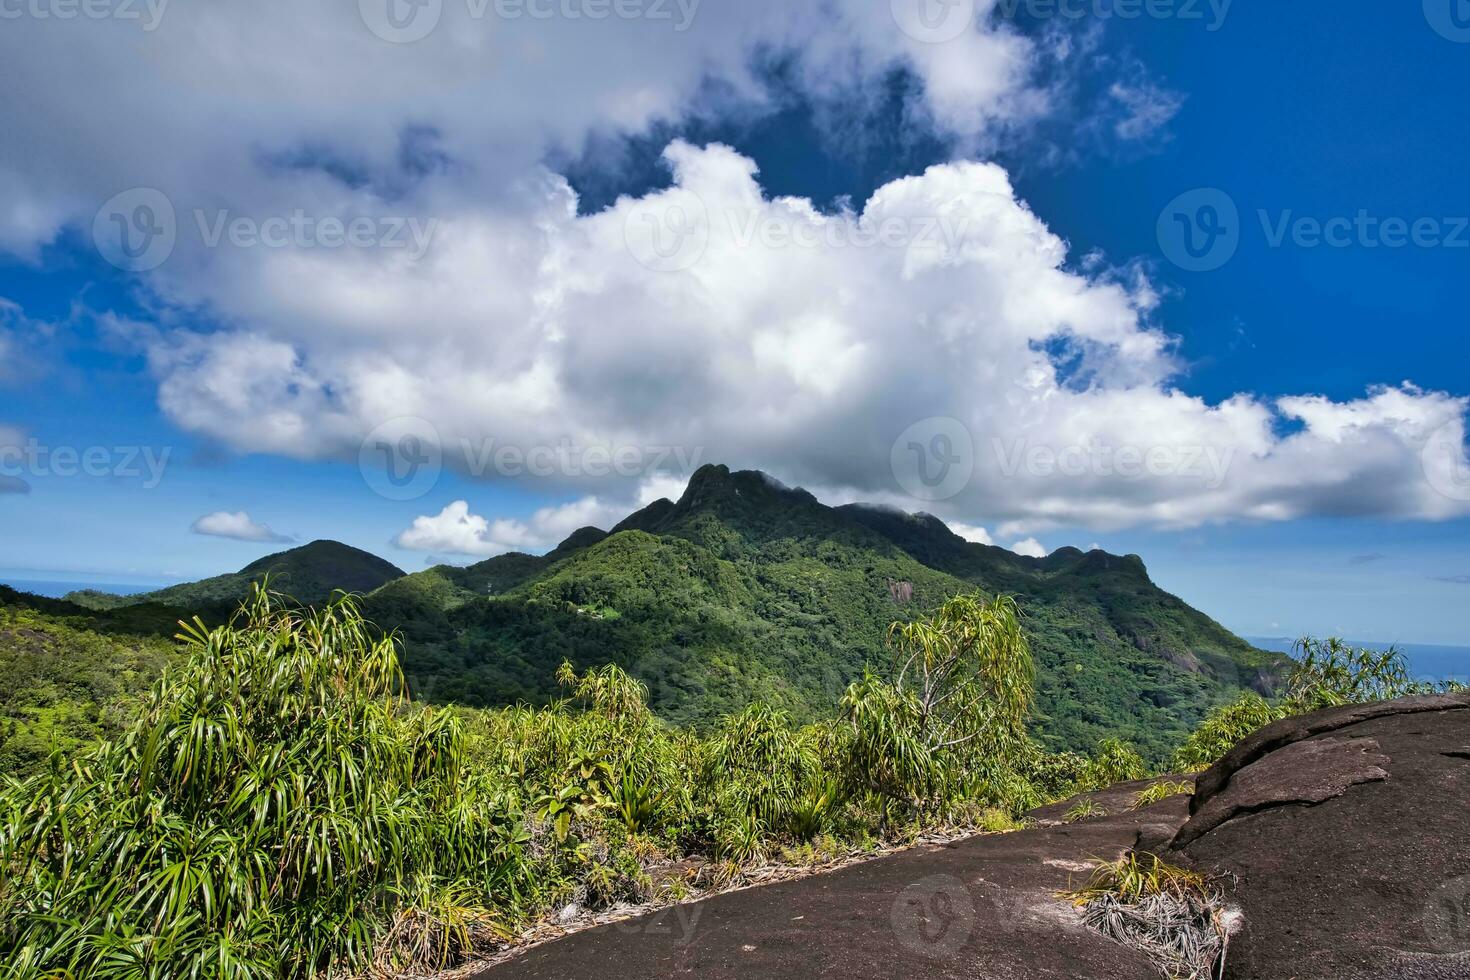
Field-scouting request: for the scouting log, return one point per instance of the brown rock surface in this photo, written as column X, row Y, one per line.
column 1341, row 836
column 1344, row 873
column 982, row 907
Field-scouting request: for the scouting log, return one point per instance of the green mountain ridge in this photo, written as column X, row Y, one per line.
column 745, row 589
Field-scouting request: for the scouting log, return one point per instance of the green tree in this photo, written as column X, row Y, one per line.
column 955, row 709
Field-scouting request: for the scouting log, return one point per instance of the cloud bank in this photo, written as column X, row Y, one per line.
column 938, row 349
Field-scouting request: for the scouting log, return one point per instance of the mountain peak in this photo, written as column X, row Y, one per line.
column 714, row 481
column 583, row 537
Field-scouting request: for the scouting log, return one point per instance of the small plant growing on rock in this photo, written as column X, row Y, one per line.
column 1084, row 809
column 1162, row 791
column 1173, row 914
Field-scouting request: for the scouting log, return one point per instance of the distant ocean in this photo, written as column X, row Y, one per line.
column 55, row 590
column 1426, row 662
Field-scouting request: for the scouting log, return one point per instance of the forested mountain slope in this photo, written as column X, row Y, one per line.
column 747, row 589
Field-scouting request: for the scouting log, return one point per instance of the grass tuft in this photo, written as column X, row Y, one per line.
column 1162, row 791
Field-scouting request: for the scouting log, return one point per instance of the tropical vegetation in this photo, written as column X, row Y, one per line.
column 279, row 805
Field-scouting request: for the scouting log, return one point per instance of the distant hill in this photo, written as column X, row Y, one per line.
column 69, row 675
column 308, row 574
column 747, row 589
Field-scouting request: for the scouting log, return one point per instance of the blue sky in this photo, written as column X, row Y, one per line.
column 1327, row 521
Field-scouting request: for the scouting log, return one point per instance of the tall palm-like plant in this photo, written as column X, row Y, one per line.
column 954, row 712
column 967, row 666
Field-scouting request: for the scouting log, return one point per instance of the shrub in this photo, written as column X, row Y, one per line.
column 1174, row 915
column 1084, row 809
column 756, row 767
column 1222, row 729
column 1330, row 672
column 1115, row 761
column 950, row 724
column 278, row 810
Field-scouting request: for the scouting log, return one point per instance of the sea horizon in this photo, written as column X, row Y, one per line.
column 1427, row 661
column 60, row 588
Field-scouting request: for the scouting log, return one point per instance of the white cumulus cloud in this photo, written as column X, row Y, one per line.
column 1029, row 548
column 972, row 533
column 238, row 526
column 456, row 531
column 771, row 335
